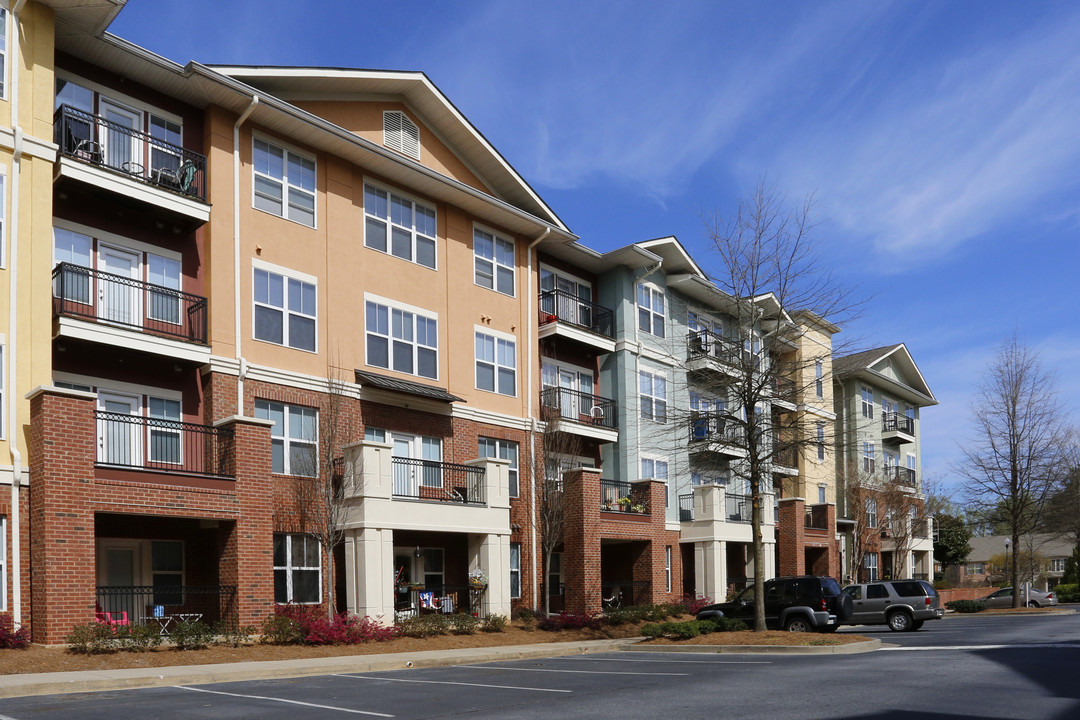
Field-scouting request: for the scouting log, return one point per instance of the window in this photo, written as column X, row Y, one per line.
column 163, row 154
column 820, row 441
column 871, row 566
column 496, row 364
column 566, row 298
column 297, row 569
column 75, row 249
column 434, row 570
column 3, row 562
column 653, row 390
column 284, row 183
column 164, row 431
column 402, row 341
column 888, row 407
column 167, row 572
column 506, row 450
column 871, row 512
column 494, row 262
column 3, row 413
column 819, row 382
column 3, row 55
column 867, row 402
column 164, row 274
column 976, row 568
column 911, row 462
column 821, row 494
column 655, row 470
column 292, row 438
column 667, row 567
column 401, row 133
column 555, row 582
column 284, row 310
column 650, row 301
column 409, row 225
column 515, row 570
column 1057, row 565
column 868, row 457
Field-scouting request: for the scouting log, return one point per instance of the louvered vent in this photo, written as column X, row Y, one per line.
column 401, row 134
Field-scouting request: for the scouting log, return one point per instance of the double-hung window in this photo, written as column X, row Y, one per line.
column 165, row 430
column 653, row 469
column 3, row 562
column 284, row 183
column 867, row 402
column 401, row 340
column 515, row 570
column 667, row 568
column 400, row 226
column 163, row 301
column 870, row 563
column 3, row 215
column 871, row 512
column 3, row 54
column 285, row 312
column 650, row 302
column 819, row 379
column 494, row 262
column 73, row 248
column 293, row 437
column 653, row 393
column 167, row 571
column 868, row 457
column 820, row 441
column 3, row 407
column 506, row 450
column 297, row 569
column 1057, row 565
column 496, row 364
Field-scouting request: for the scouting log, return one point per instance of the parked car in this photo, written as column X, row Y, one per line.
column 802, row 604
column 1003, row 598
column 903, row 605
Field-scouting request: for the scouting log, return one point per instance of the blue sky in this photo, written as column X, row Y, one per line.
column 941, row 141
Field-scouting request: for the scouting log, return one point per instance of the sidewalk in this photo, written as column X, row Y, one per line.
column 98, row 680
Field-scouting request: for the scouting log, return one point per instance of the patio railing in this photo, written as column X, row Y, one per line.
column 145, row 443
column 579, row 407
column 715, row 427
column 686, row 507
column 897, row 422
column 738, row 508
column 622, row 496
column 708, row 344
column 444, row 598
column 164, row 604
column 561, row 306
column 437, row 481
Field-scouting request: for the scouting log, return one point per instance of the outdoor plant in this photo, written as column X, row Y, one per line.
column 11, row 638
column 571, row 621
column 424, row 626
column 966, row 606
column 191, row 636
column 493, row 623
column 278, row 629
column 137, row 638
column 91, row 639
column 463, row 624
column 1067, row 592
column 232, row 635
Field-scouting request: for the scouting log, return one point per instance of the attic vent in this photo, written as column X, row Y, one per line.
column 401, row 134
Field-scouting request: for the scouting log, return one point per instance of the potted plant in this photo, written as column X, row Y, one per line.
column 416, row 586
column 637, row 508
column 478, row 580
column 624, row 504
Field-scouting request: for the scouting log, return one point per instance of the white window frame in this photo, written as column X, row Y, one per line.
column 3, row 395
column 667, row 568
column 657, row 462
column 819, row 378
column 407, row 140
column 870, row 563
column 288, row 277
column 976, row 568
column 3, row 216
column 493, row 264
column 821, row 489
column 3, row 563
column 654, row 295
column 871, row 505
column 820, row 441
column 505, row 450
column 867, row 396
column 515, row 569
column 1057, row 564
column 499, row 342
column 291, row 566
column 416, row 237
column 650, row 399
column 286, row 185
column 284, row 434
column 4, row 35
column 869, row 457
column 374, row 302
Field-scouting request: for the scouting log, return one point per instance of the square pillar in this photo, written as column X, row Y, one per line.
column 369, row 573
column 581, row 539
column 790, row 536
column 491, row 555
column 710, row 569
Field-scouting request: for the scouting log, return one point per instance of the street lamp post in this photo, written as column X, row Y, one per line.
column 1007, row 576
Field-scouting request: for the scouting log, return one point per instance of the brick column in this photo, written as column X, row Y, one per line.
column 247, row 548
column 790, row 536
column 581, row 539
column 62, row 556
column 650, row 562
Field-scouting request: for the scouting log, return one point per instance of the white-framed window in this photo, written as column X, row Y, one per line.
column 285, row 310
column 165, row 433
column 3, row 405
column 399, row 225
column 976, row 568
column 1057, row 564
column 650, row 302
column 297, row 569
column 821, row 494
column 867, row 402
column 3, row 55
column 887, row 407
column 667, row 568
column 401, row 133
column 506, row 450
column 871, row 512
column 515, row 570
column 870, row 564
column 720, row 476
column 656, row 469
column 293, row 438
column 653, row 396
column 283, row 182
column 496, row 364
column 3, row 209
column 819, row 379
column 820, row 440
column 494, row 262
column 910, row 462
column 3, row 562
column 868, row 457
column 569, row 389
column 568, row 299
column 402, row 340
column 163, row 304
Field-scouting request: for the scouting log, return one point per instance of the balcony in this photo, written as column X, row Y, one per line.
column 783, row 393
column 434, row 481
column 709, row 352
column 588, row 415
column 562, row 314
column 119, row 310
column 712, row 513
column 686, row 507
column 133, row 442
column 901, row 476
column 785, row 459
column 624, row 497
column 717, row 434
column 817, row 517
column 897, row 429
column 131, row 164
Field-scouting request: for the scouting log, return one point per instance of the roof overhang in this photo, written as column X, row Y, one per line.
column 404, row 387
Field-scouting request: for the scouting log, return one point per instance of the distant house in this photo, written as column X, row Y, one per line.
column 1042, row 560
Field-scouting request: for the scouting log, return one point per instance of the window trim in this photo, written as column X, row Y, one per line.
column 514, row 470
column 496, row 238
column 866, row 395
column 652, row 398
column 392, row 305
column 515, row 570
column 286, row 440
column 667, row 567
column 3, row 564
column 5, row 27
column 653, row 290
column 286, row 274
column 3, row 388
column 289, row 567
column 869, row 456
column 390, row 224
column 286, row 150
column 497, row 337
column 3, row 216
column 820, row 441
column 819, row 378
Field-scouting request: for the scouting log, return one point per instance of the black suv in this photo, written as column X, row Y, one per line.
column 801, row 604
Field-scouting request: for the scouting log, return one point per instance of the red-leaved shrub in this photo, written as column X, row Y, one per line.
column 345, row 629
column 11, row 638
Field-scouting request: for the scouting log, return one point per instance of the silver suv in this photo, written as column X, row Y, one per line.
column 903, row 605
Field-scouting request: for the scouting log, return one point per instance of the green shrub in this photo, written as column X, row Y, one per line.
column 423, row 626
column 281, row 630
column 653, row 630
column 191, row 635
column 137, row 638
column 1067, row 592
column 729, row 625
column 230, row 634
column 463, row 624
column 91, row 639
column 966, row 606
column 494, row 623
column 682, row 630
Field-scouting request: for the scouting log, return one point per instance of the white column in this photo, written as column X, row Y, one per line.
column 710, row 569
column 491, row 554
column 369, row 573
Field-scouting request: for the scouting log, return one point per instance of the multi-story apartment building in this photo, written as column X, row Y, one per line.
column 878, row 395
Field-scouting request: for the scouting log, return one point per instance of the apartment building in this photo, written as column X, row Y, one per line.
column 879, row 395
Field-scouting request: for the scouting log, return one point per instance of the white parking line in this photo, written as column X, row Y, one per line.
column 447, row 682
column 688, row 662
column 581, row 672
column 282, row 700
column 982, row 647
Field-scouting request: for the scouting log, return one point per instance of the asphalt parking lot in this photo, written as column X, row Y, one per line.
column 1000, row 667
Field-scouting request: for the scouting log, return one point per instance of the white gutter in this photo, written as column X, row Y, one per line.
column 530, row 362
column 13, row 335
column 236, row 254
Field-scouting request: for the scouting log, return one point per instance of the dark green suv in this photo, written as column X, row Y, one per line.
column 803, row 603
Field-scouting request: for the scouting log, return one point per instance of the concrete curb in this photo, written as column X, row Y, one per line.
column 849, row 649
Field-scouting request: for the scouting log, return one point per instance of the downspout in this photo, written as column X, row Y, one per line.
column 13, row 335
column 236, row 254
column 532, row 422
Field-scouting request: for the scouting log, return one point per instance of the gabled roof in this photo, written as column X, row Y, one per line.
column 867, row 365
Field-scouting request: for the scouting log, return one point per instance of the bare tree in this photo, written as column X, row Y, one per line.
column 767, row 263
column 1010, row 466
column 1062, row 513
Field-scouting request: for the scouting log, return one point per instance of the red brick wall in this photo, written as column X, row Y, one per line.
column 789, row 537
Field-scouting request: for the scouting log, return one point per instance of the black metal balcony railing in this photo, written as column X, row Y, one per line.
column 561, row 306
column 445, row 598
column 686, row 508
column 87, row 293
column 784, row 389
column 622, row 496
column 896, row 422
column 165, row 605
column 107, row 144
column 816, row 520
column 738, row 508
column 144, row 443
column 716, row 427
column 785, row 454
column 902, row 475
column 437, row 481
column 579, row 407
column 708, row 344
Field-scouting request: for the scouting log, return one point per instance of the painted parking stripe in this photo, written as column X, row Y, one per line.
column 580, row 672
column 983, row 647
column 283, row 700
column 688, row 662
column 447, row 682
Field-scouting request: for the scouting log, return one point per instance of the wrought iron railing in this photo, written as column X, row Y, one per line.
column 785, row 454
column 623, row 593
column 104, row 297
column 164, row 605
column 686, row 508
column 579, row 407
column 622, row 496
column 93, row 139
column 897, row 422
column 146, row 443
column 561, row 306
column 437, row 481
column 901, row 475
column 784, row 389
column 738, row 508
column 709, row 344
column 715, row 427
column 445, row 598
